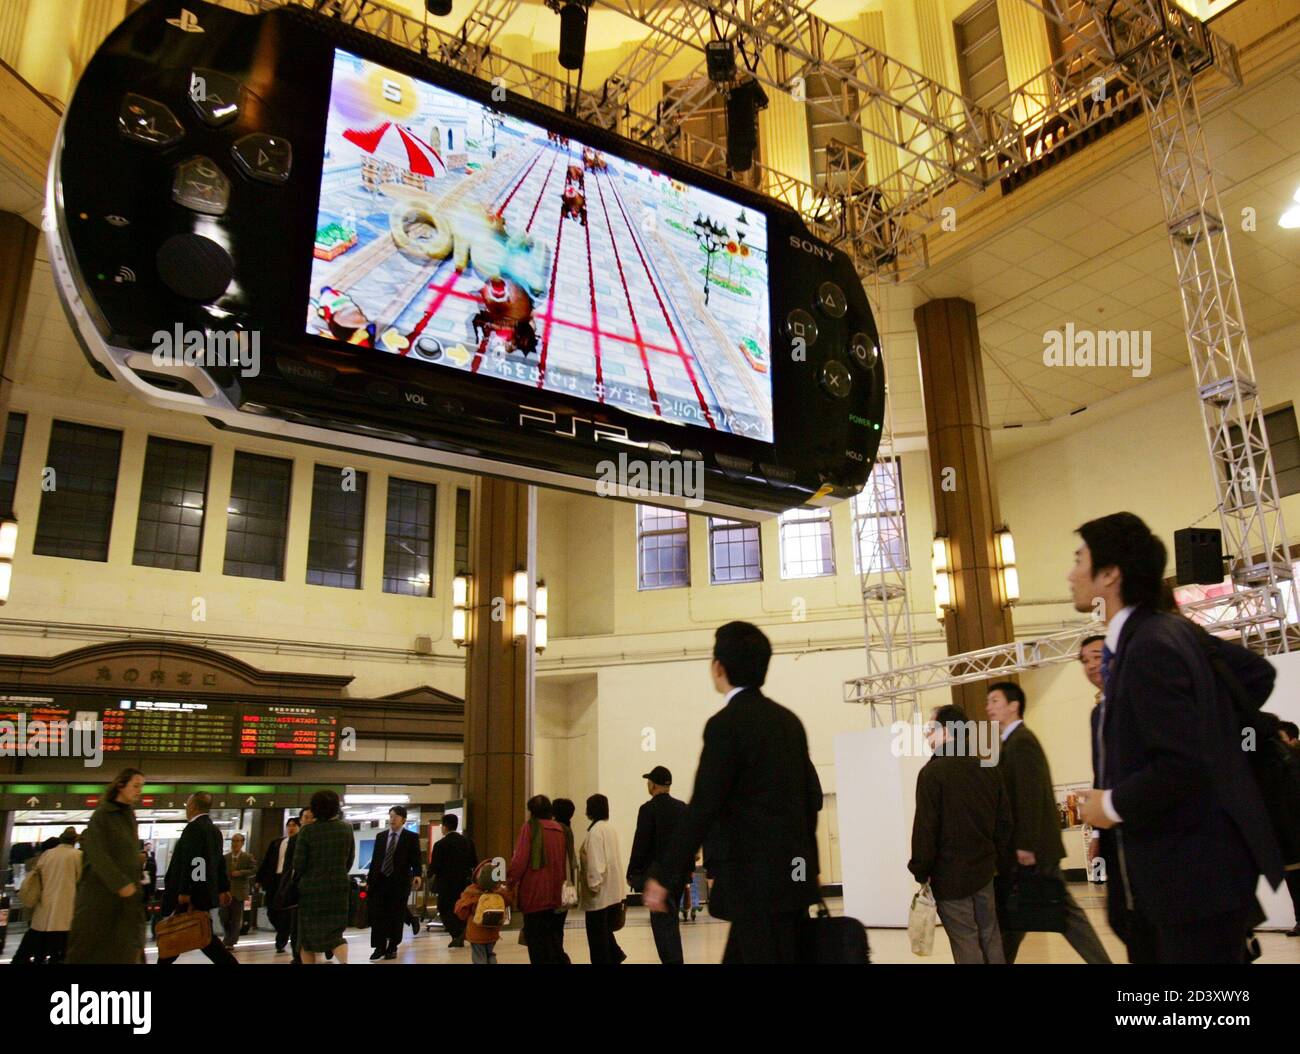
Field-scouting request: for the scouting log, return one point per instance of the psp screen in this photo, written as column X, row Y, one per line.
column 469, row 239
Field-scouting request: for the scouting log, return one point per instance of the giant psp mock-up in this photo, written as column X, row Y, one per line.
column 298, row 230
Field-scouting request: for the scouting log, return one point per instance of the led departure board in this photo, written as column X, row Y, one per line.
column 157, row 726
column 39, row 722
column 184, row 727
column 288, row 731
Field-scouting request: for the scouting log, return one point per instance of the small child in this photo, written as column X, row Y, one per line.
column 485, row 907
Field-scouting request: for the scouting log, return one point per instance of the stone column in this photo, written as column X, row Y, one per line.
column 498, row 777
column 966, row 510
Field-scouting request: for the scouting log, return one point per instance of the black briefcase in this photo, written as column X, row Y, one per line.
column 834, row 940
column 1029, row 902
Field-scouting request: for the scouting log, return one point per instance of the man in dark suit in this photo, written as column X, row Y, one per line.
column 1035, row 821
column 1191, row 831
column 657, row 822
column 1100, row 845
column 196, row 878
column 451, row 870
column 757, row 789
column 395, row 868
column 274, row 871
column 961, row 828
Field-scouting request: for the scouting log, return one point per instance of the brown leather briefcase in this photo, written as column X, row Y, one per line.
column 187, row 931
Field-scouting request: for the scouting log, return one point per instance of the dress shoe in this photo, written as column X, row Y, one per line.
column 378, row 953
column 390, row 955
column 279, row 949
column 456, row 943
column 1294, row 931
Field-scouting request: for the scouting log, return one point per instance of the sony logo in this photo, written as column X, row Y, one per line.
column 804, row 245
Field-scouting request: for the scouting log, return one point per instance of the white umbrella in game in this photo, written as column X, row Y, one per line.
column 400, row 146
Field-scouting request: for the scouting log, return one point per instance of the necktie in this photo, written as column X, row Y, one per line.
column 1107, row 660
column 389, row 849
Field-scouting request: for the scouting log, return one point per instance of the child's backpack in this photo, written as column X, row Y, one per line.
column 490, row 911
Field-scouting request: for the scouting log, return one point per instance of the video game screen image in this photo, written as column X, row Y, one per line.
column 470, row 239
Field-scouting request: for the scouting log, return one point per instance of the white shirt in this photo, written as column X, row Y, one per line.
column 727, row 698
column 601, row 865
column 1113, row 630
column 284, row 848
column 1011, row 728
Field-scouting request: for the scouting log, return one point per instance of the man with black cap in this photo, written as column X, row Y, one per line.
column 656, row 823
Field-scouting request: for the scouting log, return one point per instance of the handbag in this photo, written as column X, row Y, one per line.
column 921, row 921
column 32, row 888
column 286, row 894
column 186, row 931
column 1030, row 902
column 833, row 940
column 569, row 891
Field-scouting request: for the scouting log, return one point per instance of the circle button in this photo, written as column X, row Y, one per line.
column 830, row 298
column 800, row 325
column 836, row 379
column 864, row 351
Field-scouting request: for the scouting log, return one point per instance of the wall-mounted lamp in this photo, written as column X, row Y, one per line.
column 459, row 615
column 539, row 610
column 1005, row 547
column 941, row 566
column 521, row 606
column 8, row 546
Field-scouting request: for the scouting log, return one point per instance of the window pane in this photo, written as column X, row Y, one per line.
column 15, row 429
column 806, row 547
column 880, row 540
column 662, row 547
column 734, row 554
column 337, row 522
column 462, row 530
column 408, row 538
column 257, row 517
column 77, row 515
column 173, row 496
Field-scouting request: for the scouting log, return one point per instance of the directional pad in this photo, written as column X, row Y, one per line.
column 148, row 121
column 265, row 157
column 200, row 185
column 216, row 96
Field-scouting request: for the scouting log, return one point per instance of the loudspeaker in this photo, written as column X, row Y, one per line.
column 573, row 35
column 1198, row 556
column 743, row 104
column 720, row 60
column 438, row 7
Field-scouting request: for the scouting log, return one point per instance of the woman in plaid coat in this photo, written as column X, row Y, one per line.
column 322, row 858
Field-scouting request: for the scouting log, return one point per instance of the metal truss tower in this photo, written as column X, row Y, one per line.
column 1163, row 48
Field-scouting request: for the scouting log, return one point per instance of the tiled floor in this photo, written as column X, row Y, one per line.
column 704, row 940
